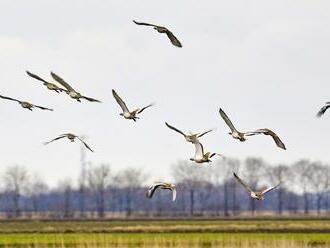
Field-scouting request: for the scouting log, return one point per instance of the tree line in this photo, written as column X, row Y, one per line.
column 207, row 190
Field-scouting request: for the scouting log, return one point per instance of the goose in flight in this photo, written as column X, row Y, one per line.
column 70, row 91
column 191, row 137
column 168, row 186
column 323, row 109
column 161, row 29
column 49, row 86
column 269, row 132
column 242, row 136
column 24, row 104
column 72, row 138
column 259, row 195
column 201, row 157
column 131, row 115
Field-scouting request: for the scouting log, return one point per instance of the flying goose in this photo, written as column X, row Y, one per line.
column 192, row 137
column 161, row 29
column 323, row 109
column 267, row 131
column 72, row 138
column 131, row 115
column 70, row 91
column 243, row 136
column 168, row 186
column 201, row 157
column 254, row 194
column 49, row 86
column 26, row 105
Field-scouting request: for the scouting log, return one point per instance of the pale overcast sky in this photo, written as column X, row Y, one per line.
column 266, row 63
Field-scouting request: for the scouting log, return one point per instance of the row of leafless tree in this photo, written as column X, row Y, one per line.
column 202, row 190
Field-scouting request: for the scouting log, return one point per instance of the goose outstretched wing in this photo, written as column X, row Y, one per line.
column 61, row 81
column 242, row 183
column 144, row 24
column 90, row 99
column 85, row 144
column 57, row 138
column 206, row 132
column 269, row 189
column 267, row 131
column 43, row 108
column 323, row 109
column 120, row 101
column 173, row 194
column 199, row 150
column 141, row 110
column 152, row 189
column 9, row 98
column 36, row 77
column 175, row 41
column 227, row 120
column 175, row 129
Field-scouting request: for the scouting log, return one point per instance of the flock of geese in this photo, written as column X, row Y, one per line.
column 200, row 156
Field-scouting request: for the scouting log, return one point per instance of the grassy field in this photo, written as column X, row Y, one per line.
column 160, row 233
column 163, row 226
column 166, row 240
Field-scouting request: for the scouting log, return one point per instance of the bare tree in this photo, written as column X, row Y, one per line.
column 190, row 175
column 205, row 191
column 130, row 180
column 99, row 179
column 217, row 179
column 222, row 176
column 16, row 179
column 280, row 174
column 302, row 170
column 66, row 191
column 319, row 179
column 37, row 187
column 234, row 164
